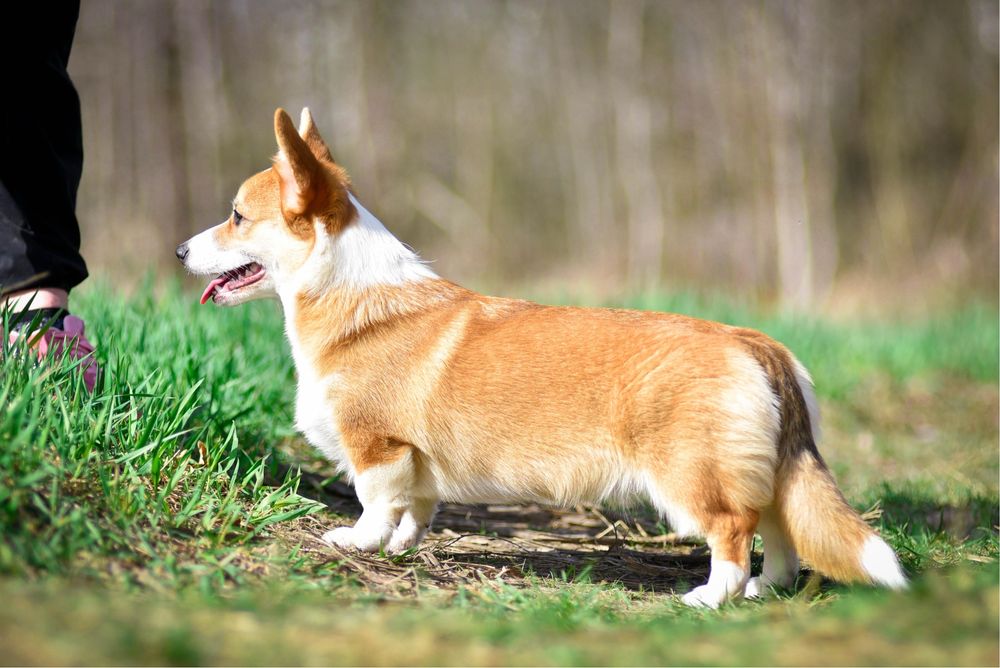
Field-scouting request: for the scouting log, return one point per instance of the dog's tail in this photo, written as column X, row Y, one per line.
column 828, row 534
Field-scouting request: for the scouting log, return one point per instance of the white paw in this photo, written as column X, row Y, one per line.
column 755, row 589
column 351, row 538
column 703, row 597
column 341, row 537
column 398, row 546
column 402, row 542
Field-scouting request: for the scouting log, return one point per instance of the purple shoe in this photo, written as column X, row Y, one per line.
column 68, row 339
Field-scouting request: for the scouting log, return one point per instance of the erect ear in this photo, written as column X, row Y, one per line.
column 297, row 167
column 308, row 132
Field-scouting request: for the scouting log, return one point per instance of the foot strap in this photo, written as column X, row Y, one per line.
column 37, row 318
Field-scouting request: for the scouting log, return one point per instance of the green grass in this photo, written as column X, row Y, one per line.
column 146, row 523
column 167, row 452
column 949, row 618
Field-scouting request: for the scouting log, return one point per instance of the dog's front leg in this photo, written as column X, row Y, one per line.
column 413, row 526
column 384, row 488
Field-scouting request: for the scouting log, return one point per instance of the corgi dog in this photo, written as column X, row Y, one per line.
column 423, row 391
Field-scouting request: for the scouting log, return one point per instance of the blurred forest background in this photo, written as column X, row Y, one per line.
column 812, row 154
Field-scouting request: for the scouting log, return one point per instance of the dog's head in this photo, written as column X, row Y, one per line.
column 279, row 216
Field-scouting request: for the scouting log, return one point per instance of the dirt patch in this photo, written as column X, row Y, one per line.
column 475, row 545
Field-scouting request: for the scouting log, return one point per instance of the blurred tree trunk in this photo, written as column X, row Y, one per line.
column 589, row 195
column 633, row 143
column 779, row 34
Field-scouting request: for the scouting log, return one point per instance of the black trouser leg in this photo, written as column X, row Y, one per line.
column 41, row 147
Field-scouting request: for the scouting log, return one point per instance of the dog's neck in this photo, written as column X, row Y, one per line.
column 360, row 279
column 366, row 254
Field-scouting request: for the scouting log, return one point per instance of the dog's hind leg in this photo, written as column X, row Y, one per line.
column 730, row 537
column 781, row 562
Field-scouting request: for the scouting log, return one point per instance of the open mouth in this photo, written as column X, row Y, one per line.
column 232, row 280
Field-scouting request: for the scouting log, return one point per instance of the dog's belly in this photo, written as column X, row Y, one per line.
column 623, row 491
column 562, row 477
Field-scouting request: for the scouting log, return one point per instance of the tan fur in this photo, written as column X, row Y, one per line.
column 486, row 399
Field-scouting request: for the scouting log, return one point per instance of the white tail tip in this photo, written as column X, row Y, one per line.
column 879, row 561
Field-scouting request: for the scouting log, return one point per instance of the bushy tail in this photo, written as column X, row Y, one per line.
column 816, row 518
column 825, row 530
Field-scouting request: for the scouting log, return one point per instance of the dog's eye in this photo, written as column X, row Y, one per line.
column 237, row 217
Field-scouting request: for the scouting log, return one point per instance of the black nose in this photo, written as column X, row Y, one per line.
column 182, row 252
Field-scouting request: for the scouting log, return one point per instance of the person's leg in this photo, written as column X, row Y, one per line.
column 41, row 155
column 41, row 160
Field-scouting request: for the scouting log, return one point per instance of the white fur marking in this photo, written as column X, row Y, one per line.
column 413, row 526
column 389, row 484
column 755, row 589
column 316, row 418
column 206, row 257
column 384, row 492
column 781, row 561
column 366, row 254
column 726, row 581
column 880, row 562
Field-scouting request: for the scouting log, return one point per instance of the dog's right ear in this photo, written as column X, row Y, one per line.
column 297, row 167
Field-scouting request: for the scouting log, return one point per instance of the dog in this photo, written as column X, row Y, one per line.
column 421, row 391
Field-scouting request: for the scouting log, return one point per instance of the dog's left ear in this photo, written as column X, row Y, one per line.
column 308, row 132
column 297, row 167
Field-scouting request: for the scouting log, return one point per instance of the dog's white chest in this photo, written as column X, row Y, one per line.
column 316, row 418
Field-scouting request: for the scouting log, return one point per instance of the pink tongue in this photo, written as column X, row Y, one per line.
column 210, row 290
